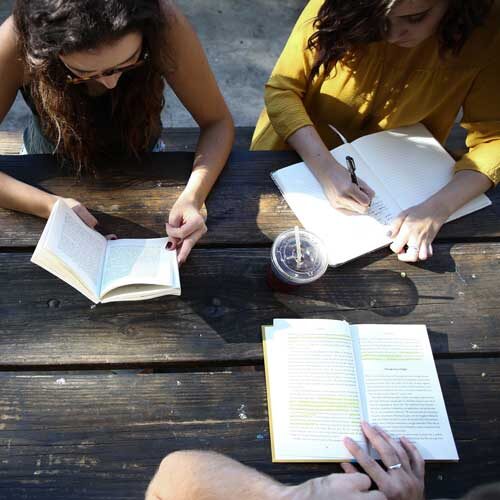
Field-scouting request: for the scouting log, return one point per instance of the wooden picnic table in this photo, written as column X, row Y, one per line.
column 92, row 397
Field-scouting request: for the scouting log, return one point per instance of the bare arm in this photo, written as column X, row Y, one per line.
column 200, row 475
column 16, row 195
column 194, row 84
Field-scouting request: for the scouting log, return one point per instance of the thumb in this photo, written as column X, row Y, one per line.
column 175, row 219
column 348, row 468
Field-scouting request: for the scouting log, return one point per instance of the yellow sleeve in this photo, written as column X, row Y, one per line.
column 288, row 83
column 482, row 121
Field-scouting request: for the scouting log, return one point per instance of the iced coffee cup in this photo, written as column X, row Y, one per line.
column 298, row 257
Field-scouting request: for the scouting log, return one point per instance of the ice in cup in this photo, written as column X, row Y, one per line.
column 298, row 257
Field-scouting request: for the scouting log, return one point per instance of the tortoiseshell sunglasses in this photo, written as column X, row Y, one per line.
column 75, row 80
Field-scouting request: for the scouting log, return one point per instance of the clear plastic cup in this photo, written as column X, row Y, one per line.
column 287, row 271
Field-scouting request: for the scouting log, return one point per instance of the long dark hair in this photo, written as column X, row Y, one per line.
column 68, row 115
column 344, row 26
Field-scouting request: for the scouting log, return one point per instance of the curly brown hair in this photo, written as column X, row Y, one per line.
column 69, row 117
column 344, row 26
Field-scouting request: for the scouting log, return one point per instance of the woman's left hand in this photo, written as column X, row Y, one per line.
column 185, row 226
column 402, row 477
column 414, row 230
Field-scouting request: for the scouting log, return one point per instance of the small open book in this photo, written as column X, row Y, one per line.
column 404, row 167
column 105, row 271
column 325, row 376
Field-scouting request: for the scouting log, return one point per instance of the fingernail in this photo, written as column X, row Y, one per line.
column 389, row 233
column 169, row 245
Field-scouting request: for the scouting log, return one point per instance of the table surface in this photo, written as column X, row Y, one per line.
column 92, row 397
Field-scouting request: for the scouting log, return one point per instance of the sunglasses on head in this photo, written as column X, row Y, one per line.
column 73, row 79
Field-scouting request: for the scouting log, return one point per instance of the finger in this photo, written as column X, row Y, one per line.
column 404, row 459
column 396, row 226
column 111, row 237
column 359, row 195
column 369, row 465
column 416, row 460
column 411, row 254
column 400, row 241
column 350, row 204
column 385, row 450
column 187, row 246
column 375, row 495
column 348, row 468
column 366, row 189
column 172, row 243
column 85, row 215
column 422, row 254
column 360, row 481
column 186, row 229
column 175, row 219
column 430, row 251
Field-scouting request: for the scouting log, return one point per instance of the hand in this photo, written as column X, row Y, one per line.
column 416, row 229
column 405, row 483
column 353, row 486
column 185, row 227
column 86, row 216
column 341, row 192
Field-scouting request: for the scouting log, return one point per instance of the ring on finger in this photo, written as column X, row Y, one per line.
column 395, row 466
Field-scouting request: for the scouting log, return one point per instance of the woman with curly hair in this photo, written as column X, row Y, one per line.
column 371, row 65
column 93, row 73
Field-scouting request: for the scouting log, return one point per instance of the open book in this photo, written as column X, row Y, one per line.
column 105, row 270
column 324, row 377
column 404, row 167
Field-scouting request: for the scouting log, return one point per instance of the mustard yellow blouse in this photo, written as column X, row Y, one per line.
column 389, row 87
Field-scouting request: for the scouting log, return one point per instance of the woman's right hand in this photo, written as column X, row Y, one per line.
column 341, row 192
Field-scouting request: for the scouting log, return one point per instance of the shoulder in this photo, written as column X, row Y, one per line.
column 10, row 53
column 483, row 46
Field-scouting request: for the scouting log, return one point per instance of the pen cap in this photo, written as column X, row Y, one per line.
column 287, row 267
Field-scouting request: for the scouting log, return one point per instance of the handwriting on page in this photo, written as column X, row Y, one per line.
column 380, row 212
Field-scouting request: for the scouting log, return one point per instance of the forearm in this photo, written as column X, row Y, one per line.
column 211, row 155
column 465, row 186
column 309, row 145
column 16, row 195
column 198, row 475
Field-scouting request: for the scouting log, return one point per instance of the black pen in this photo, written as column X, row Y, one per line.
column 352, row 169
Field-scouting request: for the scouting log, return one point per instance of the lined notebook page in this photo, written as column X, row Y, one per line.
column 412, row 165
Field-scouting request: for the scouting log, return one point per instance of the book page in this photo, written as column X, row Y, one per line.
column 412, row 165
column 401, row 386
column 139, row 261
column 78, row 246
column 346, row 234
column 312, row 390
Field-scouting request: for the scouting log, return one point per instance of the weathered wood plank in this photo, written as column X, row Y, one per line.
column 104, row 433
column 133, row 200
column 225, row 299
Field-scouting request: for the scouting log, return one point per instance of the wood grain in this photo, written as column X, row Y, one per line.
column 103, row 434
column 225, row 300
column 133, row 199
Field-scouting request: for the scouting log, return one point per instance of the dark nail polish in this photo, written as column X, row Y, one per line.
column 169, row 245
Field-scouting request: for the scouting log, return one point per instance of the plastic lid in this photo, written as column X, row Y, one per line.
column 284, row 260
